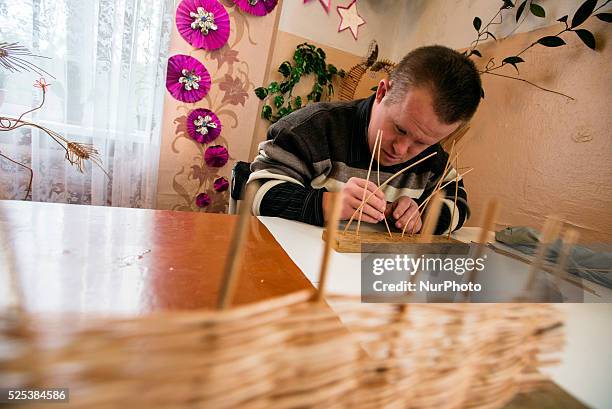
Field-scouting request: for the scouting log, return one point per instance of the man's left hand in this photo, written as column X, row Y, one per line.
column 404, row 209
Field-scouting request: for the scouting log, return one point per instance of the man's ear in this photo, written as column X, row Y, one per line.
column 382, row 90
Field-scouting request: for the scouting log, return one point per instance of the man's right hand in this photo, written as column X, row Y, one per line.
column 352, row 195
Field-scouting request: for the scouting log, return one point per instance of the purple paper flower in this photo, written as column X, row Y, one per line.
column 216, row 156
column 256, row 7
column 187, row 79
column 203, row 125
column 202, row 200
column 221, row 184
column 203, row 23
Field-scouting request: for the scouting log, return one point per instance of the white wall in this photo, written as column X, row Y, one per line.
column 310, row 21
column 449, row 22
column 401, row 25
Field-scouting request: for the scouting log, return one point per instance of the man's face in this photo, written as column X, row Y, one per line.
column 409, row 126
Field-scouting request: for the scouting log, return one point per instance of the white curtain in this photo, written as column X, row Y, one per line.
column 108, row 58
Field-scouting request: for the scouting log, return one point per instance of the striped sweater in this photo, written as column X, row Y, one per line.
column 320, row 147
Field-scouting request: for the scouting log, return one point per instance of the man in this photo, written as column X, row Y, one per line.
column 327, row 147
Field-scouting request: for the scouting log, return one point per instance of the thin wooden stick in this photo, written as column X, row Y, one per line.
column 447, row 165
column 429, row 226
column 570, row 238
column 431, row 219
column 234, row 255
column 486, row 226
column 458, row 134
column 378, row 179
column 332, row 219
column 551, row 229
column 450, row 228
column 385, row 183
column 424, row 203
column 436, row 189
column 365, row 189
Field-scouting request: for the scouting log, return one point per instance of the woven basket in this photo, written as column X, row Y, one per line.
column 294, row 351
column 286, row 353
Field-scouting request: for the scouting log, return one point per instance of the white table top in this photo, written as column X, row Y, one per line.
column 587, row 357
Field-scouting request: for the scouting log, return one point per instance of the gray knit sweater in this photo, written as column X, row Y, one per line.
column 320, row 147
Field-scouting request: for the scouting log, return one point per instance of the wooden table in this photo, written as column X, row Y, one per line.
column 118, row 260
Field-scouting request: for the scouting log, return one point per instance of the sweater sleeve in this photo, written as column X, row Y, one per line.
column 451, row 216
column 294, row 202
column 283, row 170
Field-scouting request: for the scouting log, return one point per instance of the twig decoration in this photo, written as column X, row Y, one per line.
column 75, row 153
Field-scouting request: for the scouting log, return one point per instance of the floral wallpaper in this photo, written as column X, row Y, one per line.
column 194, row 176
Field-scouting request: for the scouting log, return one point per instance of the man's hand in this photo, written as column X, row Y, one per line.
column 402, row 210
column 352, row 195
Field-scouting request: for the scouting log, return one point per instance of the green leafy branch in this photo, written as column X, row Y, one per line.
column 307, row 59
column 584, row 12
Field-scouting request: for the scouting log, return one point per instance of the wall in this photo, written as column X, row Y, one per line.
column 538, row 152
column 310, row 21
column 236, row 69
column 403, row 25
column 449, row 22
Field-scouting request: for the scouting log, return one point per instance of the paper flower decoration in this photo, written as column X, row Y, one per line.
column 203, row 23
column 202, row 200
column 221, row 184
column 203, row 125
column 216, row 156
column 256, row 7
column 187, row 79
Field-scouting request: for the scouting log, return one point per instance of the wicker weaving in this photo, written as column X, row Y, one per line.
column 289, row 352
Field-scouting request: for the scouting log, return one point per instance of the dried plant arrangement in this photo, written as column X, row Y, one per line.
column 12, row 59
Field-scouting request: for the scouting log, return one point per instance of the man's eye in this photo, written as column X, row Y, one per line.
column 399, row 130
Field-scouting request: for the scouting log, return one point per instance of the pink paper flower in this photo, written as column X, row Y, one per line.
column 216, row 156
column 203, row 23
column 221, row 184
column 256, row 7
column 203, row 125
column 187, row 79
column 202, row 200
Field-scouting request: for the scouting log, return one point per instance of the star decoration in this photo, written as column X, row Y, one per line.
column 350, row 18
column 325, row 3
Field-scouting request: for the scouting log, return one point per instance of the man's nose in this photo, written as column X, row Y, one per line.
column 401, row 146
